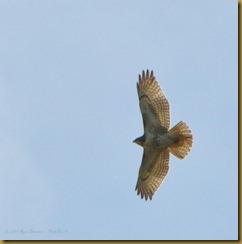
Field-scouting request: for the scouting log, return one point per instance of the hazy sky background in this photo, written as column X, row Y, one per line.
column 69, row 113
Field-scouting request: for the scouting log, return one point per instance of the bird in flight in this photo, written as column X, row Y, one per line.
column 158, row 141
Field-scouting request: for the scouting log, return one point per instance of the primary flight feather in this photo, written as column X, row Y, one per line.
column 158, row 141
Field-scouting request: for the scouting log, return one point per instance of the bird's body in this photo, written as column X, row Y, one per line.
column 158, row 141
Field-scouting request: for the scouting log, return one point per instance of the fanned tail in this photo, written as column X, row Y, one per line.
column 182, row 134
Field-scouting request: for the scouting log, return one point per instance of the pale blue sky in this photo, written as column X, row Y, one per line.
column 69, row 113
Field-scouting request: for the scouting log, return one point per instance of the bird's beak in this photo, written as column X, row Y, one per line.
column 137, row 142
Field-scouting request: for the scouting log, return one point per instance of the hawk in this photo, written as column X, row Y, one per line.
column 158, row 141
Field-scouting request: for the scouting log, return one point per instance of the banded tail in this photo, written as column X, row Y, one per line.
column 183, row 135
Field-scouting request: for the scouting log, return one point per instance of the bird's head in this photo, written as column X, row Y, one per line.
column 140, row 140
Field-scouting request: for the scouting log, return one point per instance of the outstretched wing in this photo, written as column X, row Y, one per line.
column 153, row 170
column 153, row 103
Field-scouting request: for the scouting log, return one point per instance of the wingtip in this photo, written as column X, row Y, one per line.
column 137, row 84
column 146, row 75
column 143, row 74
column 151, row 73
column 146, row 195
